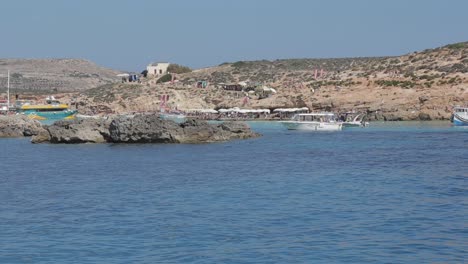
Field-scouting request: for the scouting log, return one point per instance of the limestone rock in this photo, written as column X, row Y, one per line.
column 424, row 117
column 423, row 99
column 79, row 131
column 19, row 126
column 152, row 129
column 143, row 129
column 196, row 131
column 41, row 137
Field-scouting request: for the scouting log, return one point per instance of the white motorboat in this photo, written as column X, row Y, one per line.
column 324, row 121
column 353, row 120
column 460, row 116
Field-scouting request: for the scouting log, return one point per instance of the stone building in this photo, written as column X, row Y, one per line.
column 157, row 68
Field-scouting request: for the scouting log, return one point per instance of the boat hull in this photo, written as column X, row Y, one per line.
column 51, row 115
column 352, row 124
column 355, row 124
column 312, row 126
column 458, row 120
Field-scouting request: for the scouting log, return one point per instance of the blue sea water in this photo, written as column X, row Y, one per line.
column 390, row 193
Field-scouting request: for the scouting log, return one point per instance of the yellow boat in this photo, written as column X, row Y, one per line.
column 52, row 110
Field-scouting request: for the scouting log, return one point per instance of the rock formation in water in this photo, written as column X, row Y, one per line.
column 142, row 128
column 77, row 131
column 19, row 126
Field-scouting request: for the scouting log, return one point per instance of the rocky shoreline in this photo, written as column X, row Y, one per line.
column 423, row 85
column 140, row 128
column 19, row 126
column 420, row 86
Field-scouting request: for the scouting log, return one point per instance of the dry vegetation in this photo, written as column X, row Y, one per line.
column 45, row 76
column 420, row 85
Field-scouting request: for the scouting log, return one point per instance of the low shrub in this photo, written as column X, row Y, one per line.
column 164, row 78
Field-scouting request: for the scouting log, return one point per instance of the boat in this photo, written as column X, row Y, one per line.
column 323, row 121
column 3, row 106
column 51, row 110
column 350, row 119
column 172, row 116
column 175, row 116
column 460, row 116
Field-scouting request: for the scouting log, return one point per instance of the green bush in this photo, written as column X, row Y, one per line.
column 164, row 78
column 457, row 45
column 176, row 68
column 395, row 83
column 452, row 80
column 239, row 64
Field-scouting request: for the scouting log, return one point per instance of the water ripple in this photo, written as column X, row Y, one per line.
column 387, row 194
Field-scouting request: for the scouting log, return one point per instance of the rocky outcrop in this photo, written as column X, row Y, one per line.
column 424, row 117
column 195, row 131
column 152, row 129
column 41, row 137
column 76, row 131
column 142, row 129
column 19, row 126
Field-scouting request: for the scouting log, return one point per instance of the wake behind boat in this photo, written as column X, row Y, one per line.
column 324, row 121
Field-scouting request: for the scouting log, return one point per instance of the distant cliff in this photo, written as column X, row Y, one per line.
column 54, row 75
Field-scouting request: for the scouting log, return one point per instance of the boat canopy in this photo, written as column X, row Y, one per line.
column 291, row 110
column 210, row 111
column 460, row 109
column 317, row 114
column 243, row 111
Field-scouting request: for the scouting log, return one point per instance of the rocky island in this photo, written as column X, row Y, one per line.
column 141, row 128
column 19, row 126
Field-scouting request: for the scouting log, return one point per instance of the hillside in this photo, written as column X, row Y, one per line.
column 420, row 85
column 53, row 75
column 442, row 61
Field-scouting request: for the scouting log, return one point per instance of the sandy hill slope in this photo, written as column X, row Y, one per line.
column 420, row 85
column 54, row 75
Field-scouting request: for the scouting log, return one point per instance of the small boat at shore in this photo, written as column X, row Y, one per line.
column 460, row 116
column 51, row 110
column 350, row 119
column 174, row 116
column 324, row 121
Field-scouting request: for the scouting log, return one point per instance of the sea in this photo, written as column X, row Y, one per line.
column 393, row 192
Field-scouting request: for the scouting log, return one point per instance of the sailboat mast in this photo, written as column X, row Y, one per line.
column 8, row 91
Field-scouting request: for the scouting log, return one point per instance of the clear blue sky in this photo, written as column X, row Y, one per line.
column 127, row 35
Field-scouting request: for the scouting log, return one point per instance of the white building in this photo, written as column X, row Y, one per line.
column 157, row 68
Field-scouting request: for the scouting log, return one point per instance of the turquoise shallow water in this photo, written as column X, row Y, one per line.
column 390, row 193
